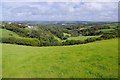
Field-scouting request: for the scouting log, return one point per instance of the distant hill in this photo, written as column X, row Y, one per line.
column 58, row 22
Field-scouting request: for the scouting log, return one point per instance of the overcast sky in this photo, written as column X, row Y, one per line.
column 74, row 10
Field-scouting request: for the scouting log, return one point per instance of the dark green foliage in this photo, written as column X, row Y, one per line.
column 22, row 41
column 28, row 41
column 65, row 37
column 20, row 31
column 47, row 43
column 90, row 39
column 73, row 42
column 108, row 36
column 57, row 32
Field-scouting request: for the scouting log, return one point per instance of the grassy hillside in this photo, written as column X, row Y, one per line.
column 0, row 56
column 97, row 59
column 7, row 33
column 106, row 30
column 0, row 61
column 82, row 38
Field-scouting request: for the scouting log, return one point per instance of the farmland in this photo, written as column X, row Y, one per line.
column 82, row 38
column 7, row 33
column 70, row 51
column 56, row 35
column 53, row 39
column 93, row 60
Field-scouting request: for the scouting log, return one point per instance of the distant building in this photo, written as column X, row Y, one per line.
column 63, row 24
column 19, row 24
column 9, row 22
column 32, row 26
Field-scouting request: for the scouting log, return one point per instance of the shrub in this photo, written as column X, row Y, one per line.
column 72, row 42
column 20, row 31
column 9, row 40
column 21, row 41
column 92, row 39
column 108, row 36
column 28, row 41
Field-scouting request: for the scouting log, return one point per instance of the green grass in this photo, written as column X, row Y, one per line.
column 112, row 26
column 66, row 34
column 0, row 61
column 6, row 33
column 0, row 56
column 92, row 60
column 57, row 39
column 82, row 28
column 106, row 30
column 82, row 38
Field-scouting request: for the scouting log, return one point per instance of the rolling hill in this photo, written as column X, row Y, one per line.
column 93, row 60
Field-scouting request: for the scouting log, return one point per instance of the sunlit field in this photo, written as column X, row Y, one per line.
column 93, row 60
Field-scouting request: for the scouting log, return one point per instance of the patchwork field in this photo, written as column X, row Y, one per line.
column 92, row 60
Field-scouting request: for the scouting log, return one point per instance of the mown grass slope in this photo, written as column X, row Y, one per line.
column 82, row 38
column 92, row 60
column 106, row 30
column 6, row 33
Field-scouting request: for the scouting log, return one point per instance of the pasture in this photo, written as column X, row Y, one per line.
column 106, row 30
column 82, row 38
column 93, row 60
column 6, row 33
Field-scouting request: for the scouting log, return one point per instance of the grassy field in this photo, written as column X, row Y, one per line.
column 7, row 33
column 0, row 55
column 106, row 30
column 82, row 38
column 92, row 60
column 0, row 61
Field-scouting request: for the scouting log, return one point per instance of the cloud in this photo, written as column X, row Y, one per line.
column 60, row 0
column 94, row 11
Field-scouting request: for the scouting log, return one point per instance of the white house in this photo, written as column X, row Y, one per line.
column 63, row 24
column 29, row 26
column 19, row 24
column 9, row 22
column 32, row 26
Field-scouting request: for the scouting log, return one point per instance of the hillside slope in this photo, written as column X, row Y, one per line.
column 92, row 60
column 6, row 33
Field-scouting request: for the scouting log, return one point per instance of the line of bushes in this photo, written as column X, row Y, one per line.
column 29, row 41
column 21, row 41
column 88, row 40
column 73, row 42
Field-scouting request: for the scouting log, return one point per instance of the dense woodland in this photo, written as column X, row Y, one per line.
column 56, row 34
